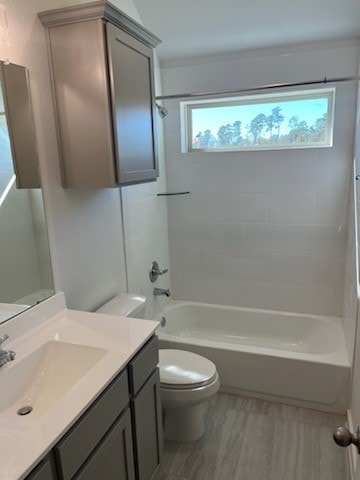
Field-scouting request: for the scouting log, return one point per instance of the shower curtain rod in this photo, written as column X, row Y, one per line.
column 270, row 86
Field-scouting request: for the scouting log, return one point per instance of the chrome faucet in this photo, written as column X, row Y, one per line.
column 5, row 355
column 162, row 291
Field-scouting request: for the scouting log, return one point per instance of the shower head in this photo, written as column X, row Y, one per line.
column 162, row 110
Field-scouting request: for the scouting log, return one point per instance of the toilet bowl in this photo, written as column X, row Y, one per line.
column 187, row 380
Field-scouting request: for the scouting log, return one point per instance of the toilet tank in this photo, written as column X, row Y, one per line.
column 125, row 305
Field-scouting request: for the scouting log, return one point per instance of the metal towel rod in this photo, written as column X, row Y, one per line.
column 171, row 194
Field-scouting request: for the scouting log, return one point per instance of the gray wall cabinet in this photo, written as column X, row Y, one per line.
column 120, row 436
column 103, row 84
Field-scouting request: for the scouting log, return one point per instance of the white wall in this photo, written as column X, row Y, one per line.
column 19, row 266
column 24, row 250
column 85, row 226
column 41, row 238
column 146, row 229
column 261, row 229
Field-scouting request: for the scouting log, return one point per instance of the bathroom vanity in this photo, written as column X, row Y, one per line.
column 103, row 83
column 97, row 417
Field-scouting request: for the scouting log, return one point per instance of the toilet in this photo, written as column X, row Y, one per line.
column 187, row 380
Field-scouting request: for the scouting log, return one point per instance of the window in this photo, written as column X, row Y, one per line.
column 259, row 122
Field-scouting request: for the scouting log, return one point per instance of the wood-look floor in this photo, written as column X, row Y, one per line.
column 248, row 439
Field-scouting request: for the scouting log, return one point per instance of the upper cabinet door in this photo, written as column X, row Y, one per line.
column 15, row 100
column 133, row 104
column 81, row 96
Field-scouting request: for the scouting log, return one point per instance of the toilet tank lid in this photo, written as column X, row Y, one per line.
column 124, row 305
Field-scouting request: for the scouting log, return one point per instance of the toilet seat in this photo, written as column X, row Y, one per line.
column 183, row 370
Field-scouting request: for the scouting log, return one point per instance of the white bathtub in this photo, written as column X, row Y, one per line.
column 293, row 358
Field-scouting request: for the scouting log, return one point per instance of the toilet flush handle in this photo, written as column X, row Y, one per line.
column 343, row 437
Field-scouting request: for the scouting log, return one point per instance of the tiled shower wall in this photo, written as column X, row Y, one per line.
column 146, row 229
column 261, row 229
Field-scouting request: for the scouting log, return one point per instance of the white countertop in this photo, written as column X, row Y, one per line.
column 26, row 440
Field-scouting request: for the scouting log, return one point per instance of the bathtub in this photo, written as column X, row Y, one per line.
column 286, row 357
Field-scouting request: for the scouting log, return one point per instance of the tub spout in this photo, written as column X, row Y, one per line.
column 162, row 291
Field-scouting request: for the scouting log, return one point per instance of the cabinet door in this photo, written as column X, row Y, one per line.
column 44, row 471
column 77, row 445
column 18, row 109
column 113, row 459
column 81, row 96
column 146, row 411
column 133, row 105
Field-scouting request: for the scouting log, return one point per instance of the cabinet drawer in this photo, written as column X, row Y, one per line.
column 142, row 366
column 72, row 451
column 113, row 459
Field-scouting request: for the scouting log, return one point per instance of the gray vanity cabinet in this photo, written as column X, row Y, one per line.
column 103, row 84
column 119, row 437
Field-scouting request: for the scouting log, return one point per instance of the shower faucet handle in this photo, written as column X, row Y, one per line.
column 155, row 271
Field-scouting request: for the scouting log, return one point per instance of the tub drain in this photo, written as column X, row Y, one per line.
column 25, row 410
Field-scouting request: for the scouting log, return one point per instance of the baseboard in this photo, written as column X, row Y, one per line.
column 352, row 452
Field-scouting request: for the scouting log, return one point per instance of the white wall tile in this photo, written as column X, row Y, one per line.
column 180, row 176
column 266, row 238
column 245, row 207
column 267, row 175
column 284, row 269
column 330, row 208
column 317, row 240
column 305, row 299
column 290, row 208
column 320, row 173
column 206, row 207
column 214, row 176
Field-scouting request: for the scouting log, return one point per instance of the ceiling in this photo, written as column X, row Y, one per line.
column 192, row 28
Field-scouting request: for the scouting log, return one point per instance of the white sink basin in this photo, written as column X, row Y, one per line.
column 43, row 378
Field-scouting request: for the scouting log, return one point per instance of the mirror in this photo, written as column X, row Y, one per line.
column 25, row 266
